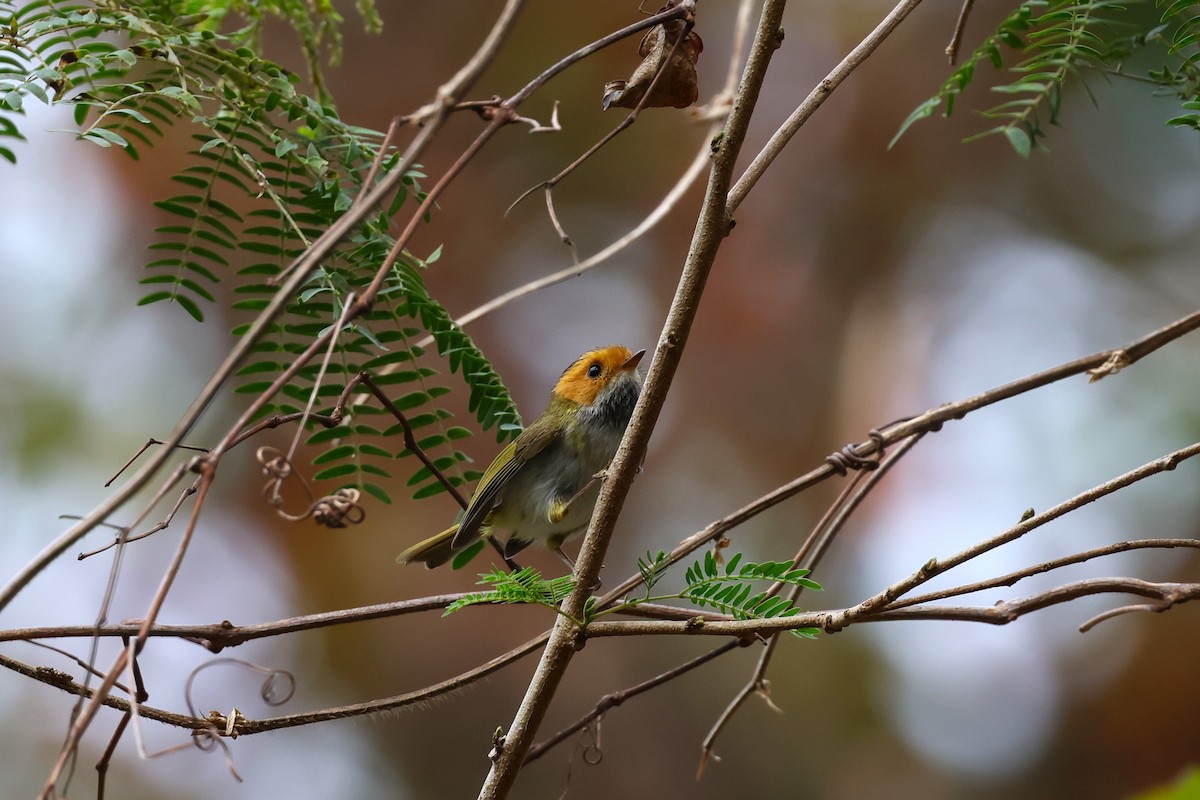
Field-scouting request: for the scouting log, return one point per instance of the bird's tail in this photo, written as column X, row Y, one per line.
column 432, row 552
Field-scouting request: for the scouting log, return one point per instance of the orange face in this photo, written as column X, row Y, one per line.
column 586, row 378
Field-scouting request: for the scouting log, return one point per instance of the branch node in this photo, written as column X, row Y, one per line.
column 1117, row 360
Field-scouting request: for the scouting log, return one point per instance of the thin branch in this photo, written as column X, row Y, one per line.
column 161, row 525
column 629, row 119
column 681, row 11
column 1038, row 569
column 819, row 95
column 1001, row 613
column 661, row 210
column 149, row 443
column 959, row 27
column 244, row 727
column 615, row 699
column 808, row 557
column 84, row 719
column 410, row 438
column 217, row 637
column 935, row 566
column 106, row 757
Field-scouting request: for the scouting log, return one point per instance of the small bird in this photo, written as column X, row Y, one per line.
column 542, row 486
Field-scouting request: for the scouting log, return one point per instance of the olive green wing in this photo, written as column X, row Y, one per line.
column 512, row 458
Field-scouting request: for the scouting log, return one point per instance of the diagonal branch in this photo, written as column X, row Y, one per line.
column 711, row 229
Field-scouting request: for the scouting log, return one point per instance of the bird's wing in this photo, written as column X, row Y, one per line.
column 512, row 458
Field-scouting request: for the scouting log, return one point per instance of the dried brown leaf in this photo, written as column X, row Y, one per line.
column 677, row 86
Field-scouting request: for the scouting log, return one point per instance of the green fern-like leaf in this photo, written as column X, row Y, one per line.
column 1060, row 38
column 730, row 590
column 524, row 586
column 271, row 169
column 1057, row 39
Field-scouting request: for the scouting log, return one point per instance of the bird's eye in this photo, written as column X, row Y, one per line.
column 594, row 370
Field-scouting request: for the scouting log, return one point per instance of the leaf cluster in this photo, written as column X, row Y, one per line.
column 732, row 589
column 729, row 589
column 1058, row 39
column 271, row 168
column 523, row 586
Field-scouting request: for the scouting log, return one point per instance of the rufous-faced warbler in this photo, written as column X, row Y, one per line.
column 542, row 487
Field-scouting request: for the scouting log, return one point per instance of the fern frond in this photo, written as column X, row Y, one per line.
column 1057, row 39
column 271, row 170
column 524, row 586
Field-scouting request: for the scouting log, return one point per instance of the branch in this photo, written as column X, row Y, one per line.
column 218, row 636
column 615, row 699
column 1001, row 613
column 809, row 556
column 819, row 95
column 936, row 566
column 436, row 114
column 1012, row 577
column 711, row 229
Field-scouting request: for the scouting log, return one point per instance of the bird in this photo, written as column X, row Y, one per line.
column 543, row 486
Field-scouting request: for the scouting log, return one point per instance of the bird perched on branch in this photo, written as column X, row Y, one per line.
column 543, row 485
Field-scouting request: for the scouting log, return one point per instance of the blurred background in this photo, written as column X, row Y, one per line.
column 860, row 285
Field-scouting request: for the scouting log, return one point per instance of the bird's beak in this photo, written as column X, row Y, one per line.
column 632, row 362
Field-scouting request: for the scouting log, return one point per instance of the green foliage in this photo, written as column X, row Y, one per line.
column 732, row 590
column 1184, row 79
column 729, row 590
column 1059, row 38
column 523, row 586
column 1184, row 787
column 270, row 170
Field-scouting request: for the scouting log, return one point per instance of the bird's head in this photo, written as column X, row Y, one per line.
column 604, row 376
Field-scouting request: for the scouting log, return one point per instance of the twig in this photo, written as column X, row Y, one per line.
column 809, row 556
column 410, row 439
column 106, row 757
column 149, row 443
column 1038, row 569
column 615, row 699
column 376, row 165
column 819, row 95
column 83, row 720
column 1154, row 608
column 936, row 566
column 959, row 28
column 684, row 9
column 86, row 667
column 161, row 525
column 661, row 210
column 630, row 118
column 218, row 636
column 1001, row 613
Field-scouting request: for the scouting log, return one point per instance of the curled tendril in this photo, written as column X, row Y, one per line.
column 274, row 463
column 338, row 510
column 277, row 467
column 277, row 688
column 591, row 751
